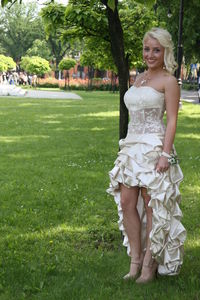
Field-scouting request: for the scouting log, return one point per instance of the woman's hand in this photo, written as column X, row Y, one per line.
column 162, row 165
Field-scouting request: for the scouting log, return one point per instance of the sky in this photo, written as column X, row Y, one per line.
column 62, row 1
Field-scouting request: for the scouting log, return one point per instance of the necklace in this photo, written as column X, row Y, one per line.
column 145, row 80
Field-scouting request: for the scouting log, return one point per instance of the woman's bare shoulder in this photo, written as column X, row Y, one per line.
column 172, row 90
column 170, row 80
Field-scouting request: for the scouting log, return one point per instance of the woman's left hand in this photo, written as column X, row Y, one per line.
column 162, row 165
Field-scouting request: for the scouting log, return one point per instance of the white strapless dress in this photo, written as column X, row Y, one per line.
column 135, row 166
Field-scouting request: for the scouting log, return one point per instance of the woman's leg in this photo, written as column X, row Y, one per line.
column 131, row 221
column 149, row 264
column 148, row 210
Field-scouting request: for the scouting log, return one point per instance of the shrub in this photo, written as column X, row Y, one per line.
column 189, row 86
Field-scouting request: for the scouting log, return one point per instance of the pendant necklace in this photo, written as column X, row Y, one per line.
column 145, row 80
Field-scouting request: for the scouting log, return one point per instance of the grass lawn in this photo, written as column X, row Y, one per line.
column 59, row 236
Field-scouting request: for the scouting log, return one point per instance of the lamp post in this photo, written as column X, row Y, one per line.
column 180, row 31
column 180, row 46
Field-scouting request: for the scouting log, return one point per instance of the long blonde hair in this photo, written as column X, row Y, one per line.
column 165, row 39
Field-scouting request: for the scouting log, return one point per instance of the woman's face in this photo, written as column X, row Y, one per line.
column 153, row 53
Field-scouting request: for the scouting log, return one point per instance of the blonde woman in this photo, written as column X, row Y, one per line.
column 146, row 176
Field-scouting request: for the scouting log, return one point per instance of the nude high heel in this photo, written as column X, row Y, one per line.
column 152, row 268
column 136, row 274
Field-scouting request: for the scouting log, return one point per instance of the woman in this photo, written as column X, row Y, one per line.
column 146, row 176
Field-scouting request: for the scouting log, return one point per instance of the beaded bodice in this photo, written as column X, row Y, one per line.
column 146, row 108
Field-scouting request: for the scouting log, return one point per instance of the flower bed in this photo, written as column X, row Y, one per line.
column 78, row 84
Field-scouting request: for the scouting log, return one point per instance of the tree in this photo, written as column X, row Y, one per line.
column 191, row 36
column 40, row 48
column 135, row 20
column 94, row 57
column 19, row 27
column 104, row 16
column 35, row 65
column 59, row 47
column 100, row 20
column 3, row 66
column 65, row 65
column 7, row 63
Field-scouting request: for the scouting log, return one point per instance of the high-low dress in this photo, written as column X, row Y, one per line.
column 135, row 166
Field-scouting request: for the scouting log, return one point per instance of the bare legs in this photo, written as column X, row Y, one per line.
column 131, row 221
column 149, row 265
column 148, row 210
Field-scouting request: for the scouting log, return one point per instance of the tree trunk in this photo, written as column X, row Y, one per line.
column 68, row 79
column 117, row 49
column 65, row 81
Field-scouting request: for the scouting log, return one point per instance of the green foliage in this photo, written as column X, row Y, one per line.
column 191, row 35
column 190, row 86
column 148, row 3
column 5, row 2
column 94, row 54
column 66, row 64
column 35, row 65
column 40, row 48
column 111, row 4
column 89, row 23
column 53, row 20
column 53, row 17
column 86, row 19
column 19, row 27
column 59, row 233
column 136, row 19
column 6, row 63
column 3, row 66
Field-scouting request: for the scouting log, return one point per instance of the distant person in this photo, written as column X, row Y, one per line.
column 25, row 78
column 11, row 79
column 16, row 78
column 34, row 80
column 30, row 79
column 4, row 77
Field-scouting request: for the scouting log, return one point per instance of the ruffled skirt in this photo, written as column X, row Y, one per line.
column 135, row 166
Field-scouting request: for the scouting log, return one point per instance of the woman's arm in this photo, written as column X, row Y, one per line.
column 172, row 96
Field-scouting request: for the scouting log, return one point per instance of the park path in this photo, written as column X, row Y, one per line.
column 190, row 96
column 51, row 95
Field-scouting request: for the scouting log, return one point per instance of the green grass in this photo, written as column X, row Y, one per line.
column 59, row 236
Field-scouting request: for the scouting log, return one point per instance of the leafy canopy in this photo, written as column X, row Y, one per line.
column 191, row 33
column 35, row 65
column 66, row 64
column 7, row 63
column 40, row 48
column 87, row 21
column 19, row 27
